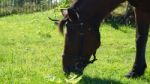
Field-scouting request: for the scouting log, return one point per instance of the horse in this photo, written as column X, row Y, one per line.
column 82, row 38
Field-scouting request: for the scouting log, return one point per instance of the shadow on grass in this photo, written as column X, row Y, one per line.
column 145, row 78
column 89, row 80
column 117, row 25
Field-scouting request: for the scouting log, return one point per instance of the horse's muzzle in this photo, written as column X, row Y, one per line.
column 73, row 64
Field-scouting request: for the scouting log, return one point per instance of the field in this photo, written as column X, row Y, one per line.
column 31, row 48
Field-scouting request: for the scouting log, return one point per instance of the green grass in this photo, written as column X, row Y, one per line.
column 31, row 48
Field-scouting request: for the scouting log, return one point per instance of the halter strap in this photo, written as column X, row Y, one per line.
column 82, row 47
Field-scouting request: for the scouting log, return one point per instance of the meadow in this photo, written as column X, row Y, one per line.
column 31, row 49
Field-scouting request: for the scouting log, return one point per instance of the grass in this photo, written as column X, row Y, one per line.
column 31, row 48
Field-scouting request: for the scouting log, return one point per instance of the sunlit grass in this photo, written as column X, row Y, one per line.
column 31, row 48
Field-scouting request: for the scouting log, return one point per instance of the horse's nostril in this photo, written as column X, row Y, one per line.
column 66, row 70
column 78, row 68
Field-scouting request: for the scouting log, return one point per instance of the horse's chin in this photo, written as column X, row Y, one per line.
column 74, row 70
column 75, row 66
column 73, row 75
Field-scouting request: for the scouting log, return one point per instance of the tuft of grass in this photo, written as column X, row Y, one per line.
column 31, row 48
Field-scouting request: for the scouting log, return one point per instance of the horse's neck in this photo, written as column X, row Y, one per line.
column 98, row 8
column 133, row 2
column 108, row 6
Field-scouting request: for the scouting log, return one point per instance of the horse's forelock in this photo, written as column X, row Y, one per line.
column 61, row 25
column 63, row 21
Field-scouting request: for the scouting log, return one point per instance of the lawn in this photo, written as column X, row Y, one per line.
column 31, row 48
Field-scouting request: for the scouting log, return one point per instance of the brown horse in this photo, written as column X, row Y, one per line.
column 82, row 37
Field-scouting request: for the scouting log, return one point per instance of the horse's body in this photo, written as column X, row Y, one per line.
column 91, row 13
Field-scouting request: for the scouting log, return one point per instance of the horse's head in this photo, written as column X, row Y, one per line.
column 81, row 41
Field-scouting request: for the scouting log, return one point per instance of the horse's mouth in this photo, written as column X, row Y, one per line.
column 77, row 73
column 75, row 65
column 73, row 69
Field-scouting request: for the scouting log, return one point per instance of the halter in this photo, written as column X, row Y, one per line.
column 81, row 30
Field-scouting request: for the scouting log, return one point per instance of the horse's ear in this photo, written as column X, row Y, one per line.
column 72, row 15
column 64, row 12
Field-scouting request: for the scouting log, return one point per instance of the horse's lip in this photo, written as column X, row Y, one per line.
column 73, row 68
